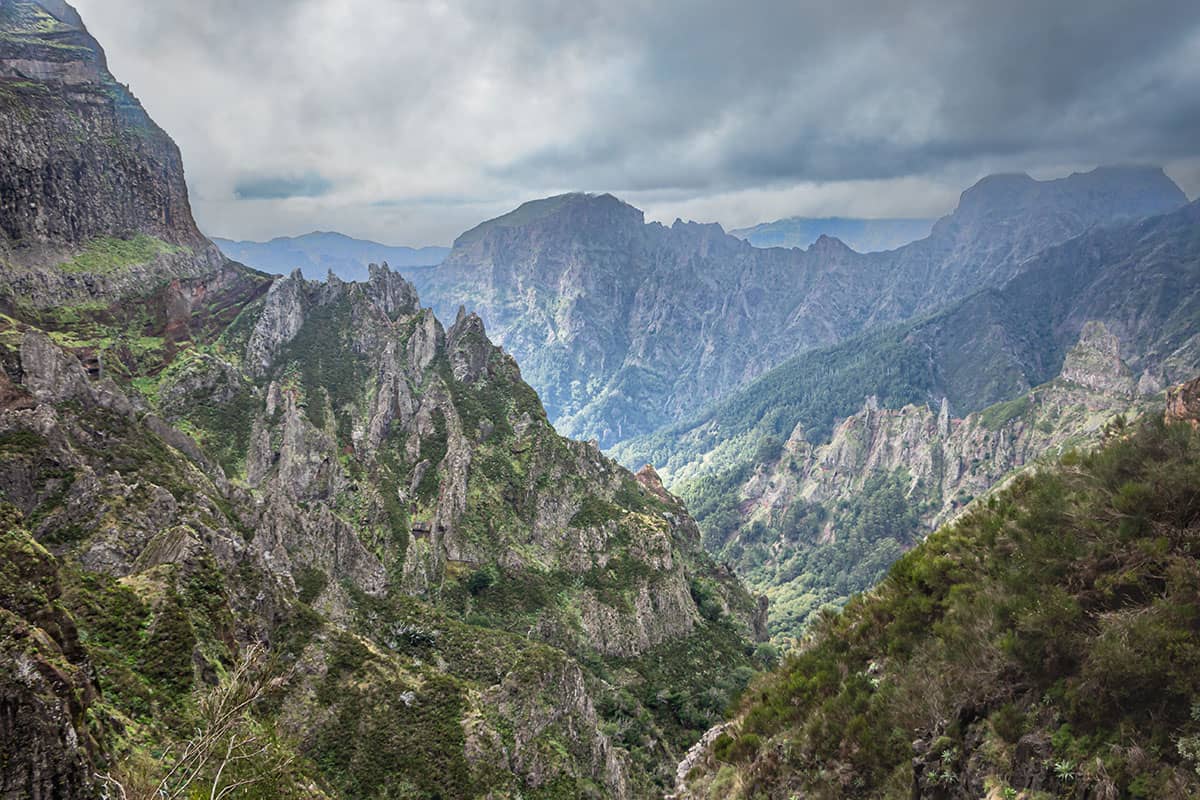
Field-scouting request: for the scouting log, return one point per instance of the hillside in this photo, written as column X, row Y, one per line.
column 1042, row 646
column 624, row 327
column 318, row 254
column 299, row 523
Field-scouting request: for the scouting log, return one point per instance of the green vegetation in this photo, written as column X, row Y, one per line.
column 1062, row 616
column 828, row 554
column 814, row 390
column 465, row 657
column 996, row 417
column 108, row 254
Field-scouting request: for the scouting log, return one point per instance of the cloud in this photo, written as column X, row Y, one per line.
column 281, row 187
column 421, row 117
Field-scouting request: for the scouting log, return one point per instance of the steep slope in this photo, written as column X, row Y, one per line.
column 816, row 522
column 623, row 327
column 196, row 457
column 317, row 254
column 863, row 235
column 1042, row 646
column 92, row 193
column 392, row 486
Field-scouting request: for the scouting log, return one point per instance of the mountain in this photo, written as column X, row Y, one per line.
column 92, row 192
column 863, row 235
column 1042, row 646
column 812, row 523
column 319, row 253
column 1139, row 279
column 624, row 326
column 297, row 534
column 812, row 494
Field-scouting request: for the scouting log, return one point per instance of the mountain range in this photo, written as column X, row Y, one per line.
column 624, row 327
column 319, row 253
column 863, row 235
column 1128, row 296
column 263, row 535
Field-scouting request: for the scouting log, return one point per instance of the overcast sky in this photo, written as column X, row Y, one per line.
column 408, row 121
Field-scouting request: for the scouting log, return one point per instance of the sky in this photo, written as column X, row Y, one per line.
column 409, row 121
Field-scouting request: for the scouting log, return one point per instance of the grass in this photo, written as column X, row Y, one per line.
column 107, row 255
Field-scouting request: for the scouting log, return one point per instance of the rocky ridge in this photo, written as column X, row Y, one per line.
column 406, row 472
column 624, row 326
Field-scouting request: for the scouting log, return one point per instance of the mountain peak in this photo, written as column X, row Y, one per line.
column 1130, row 190
column 578, row 210
column 827, row 245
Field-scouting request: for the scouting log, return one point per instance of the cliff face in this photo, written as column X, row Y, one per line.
column 624, row 327
column 822, row 520
column 86, row 171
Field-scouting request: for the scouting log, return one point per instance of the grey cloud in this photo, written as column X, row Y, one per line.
column 281, row 187
column 422, row 114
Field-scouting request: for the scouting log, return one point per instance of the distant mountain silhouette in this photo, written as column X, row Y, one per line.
column 319, row 253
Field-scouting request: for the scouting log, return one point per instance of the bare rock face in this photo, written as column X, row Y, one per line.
column 82, row 159
column 1095, row 363
column 1183, row 403
column 51, row 375
column 93, row 202
column 281, row 319
column 648, row 476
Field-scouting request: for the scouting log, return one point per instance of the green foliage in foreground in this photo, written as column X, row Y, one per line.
column 109, row 254
column 1051, row 635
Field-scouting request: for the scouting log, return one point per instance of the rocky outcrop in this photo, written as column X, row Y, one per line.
column 280, row 321
column 1095, row 363
column 1183, row 403
column 556, row 701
